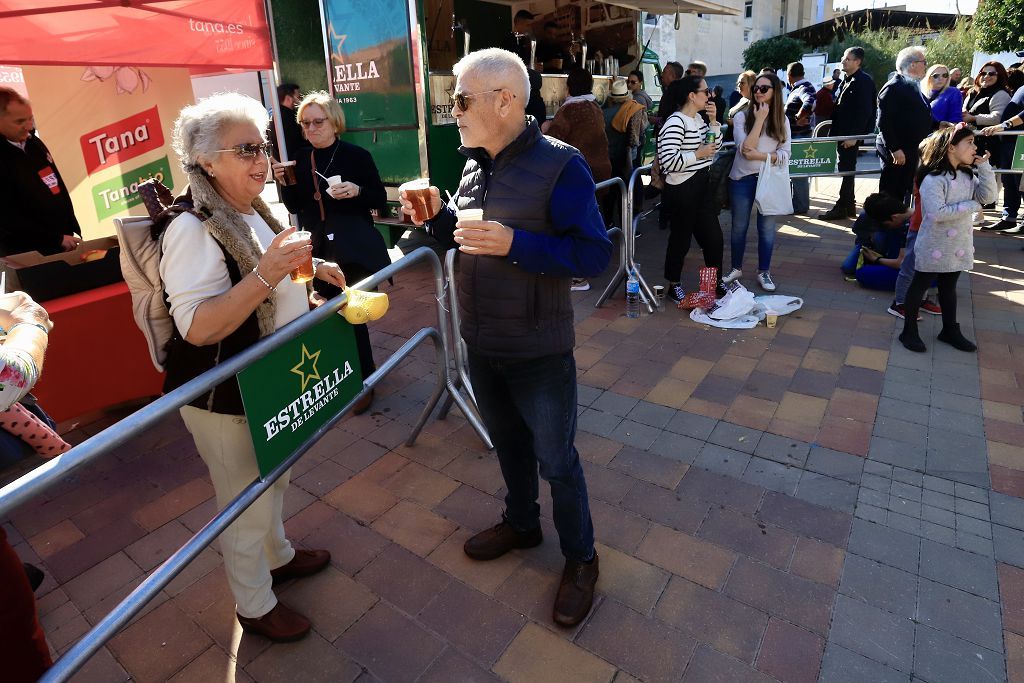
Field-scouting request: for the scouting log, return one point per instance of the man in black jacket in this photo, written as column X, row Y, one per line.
column 38, row 215
column 904, row 119
column 799, row 109
column 854, row 114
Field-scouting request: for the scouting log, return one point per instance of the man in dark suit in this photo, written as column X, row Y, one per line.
column 38, row 215
column 288, row 96
column 904, row 119
column 854, row 114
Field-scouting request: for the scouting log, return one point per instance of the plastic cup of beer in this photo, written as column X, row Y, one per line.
column 418, row 192
column 304, row 273
column 289, row 173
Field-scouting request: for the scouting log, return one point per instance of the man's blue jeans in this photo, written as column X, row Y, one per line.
column 529, row 408
column 741, row 193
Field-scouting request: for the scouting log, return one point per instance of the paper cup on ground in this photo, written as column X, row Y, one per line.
column 770, row 318
column 659, row 291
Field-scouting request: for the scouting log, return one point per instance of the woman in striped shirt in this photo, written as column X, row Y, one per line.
column 686, row 147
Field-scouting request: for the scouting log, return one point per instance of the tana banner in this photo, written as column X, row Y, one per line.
column 108, row 129
column 371, row 62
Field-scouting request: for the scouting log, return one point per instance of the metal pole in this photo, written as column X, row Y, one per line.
column 620, row 272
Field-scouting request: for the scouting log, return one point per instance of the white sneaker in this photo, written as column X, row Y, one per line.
column 734, row 274
column 579, row 284
column 765, row 280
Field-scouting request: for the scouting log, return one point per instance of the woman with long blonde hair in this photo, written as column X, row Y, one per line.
column 762, row 132
column 943, row 97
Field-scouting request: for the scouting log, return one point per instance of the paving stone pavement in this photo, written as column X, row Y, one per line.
column 810, row 502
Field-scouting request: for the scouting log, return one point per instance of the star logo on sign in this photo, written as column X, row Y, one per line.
column 810, row 151
column 306, row 368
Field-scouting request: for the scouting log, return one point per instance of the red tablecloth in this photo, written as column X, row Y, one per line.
column 96, row 357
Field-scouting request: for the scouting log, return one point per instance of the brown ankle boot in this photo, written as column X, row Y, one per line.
column 492, row 543
column 281, row 624
column 576, row 592
column 305, row 563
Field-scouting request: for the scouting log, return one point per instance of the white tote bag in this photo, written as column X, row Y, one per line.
column 773, row 195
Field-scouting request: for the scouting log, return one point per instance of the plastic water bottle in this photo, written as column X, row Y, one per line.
column 632, row 295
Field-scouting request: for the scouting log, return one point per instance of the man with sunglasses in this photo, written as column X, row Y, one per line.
column 853, row 114
column 38, row 211
column 904, row 120
column 541, row 228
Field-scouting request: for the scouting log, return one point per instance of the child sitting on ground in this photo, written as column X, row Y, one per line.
column 881, row 235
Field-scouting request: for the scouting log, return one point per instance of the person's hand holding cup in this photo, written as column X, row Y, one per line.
column 341, row 189
column 291, row 252
column 420, row 200
column 284, row 172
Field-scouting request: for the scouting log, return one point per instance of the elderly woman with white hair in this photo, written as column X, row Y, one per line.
column 904, row 120
column 225, row 268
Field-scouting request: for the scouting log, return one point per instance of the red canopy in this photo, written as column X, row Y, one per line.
column 215, row 34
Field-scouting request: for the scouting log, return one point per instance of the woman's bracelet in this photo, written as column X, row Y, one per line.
column 40, row 326
column 256, row 272
column 317, row 262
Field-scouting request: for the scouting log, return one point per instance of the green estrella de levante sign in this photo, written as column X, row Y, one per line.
column 292, row 391
column 812, row 158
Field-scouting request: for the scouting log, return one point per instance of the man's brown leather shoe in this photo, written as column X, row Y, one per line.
column 492, row 543
column 576, row 592
column 363, row 404
column 281, row 624
column 305, row 563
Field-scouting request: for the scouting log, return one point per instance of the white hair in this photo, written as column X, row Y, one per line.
column 199, row 127
column 497, row 67
column 908, row 56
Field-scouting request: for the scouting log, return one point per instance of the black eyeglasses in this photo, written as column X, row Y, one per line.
column 461, row 100
column 705, row 91
column 761, row 88
column 312, row 123
column 986, row 74
column 249, row 150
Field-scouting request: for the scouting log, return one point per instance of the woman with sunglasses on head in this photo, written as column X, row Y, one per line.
column 986, row 100
column 943, row 96
column 762, row 132
column 685, row 151
column 338, row 215
column 953, row 181
column 225, row 269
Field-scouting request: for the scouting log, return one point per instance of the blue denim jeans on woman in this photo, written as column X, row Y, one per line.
column 741, row 193
column 529, row 408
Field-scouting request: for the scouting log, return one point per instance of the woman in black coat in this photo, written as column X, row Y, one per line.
column 338, row 216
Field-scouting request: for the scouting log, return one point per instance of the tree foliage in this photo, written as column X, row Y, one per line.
column 774, row 53
column 954, row 48
column 999, row 25
column 880, row 49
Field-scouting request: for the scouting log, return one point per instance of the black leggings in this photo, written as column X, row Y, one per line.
column 692, row 213
column 915, row 295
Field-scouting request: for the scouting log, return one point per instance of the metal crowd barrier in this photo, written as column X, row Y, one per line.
column 35, row 482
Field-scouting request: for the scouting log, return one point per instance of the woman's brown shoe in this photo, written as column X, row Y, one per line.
column 281, row 624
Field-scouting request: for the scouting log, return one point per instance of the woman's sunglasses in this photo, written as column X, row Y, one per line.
column 249, row 150
column 461, row 99
column 938, row 76
column 312, row 123
column 989, row 74
column 761, row 88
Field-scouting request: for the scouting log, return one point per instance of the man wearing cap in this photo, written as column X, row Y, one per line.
column 541, row 227
column 38, row 215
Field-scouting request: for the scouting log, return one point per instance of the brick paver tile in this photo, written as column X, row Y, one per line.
column 1014, row 657
column 530, row 591
column 671, row 392
column 668, row 508
column 151, row 550
column 606, row 484
column 853, row 404
column 1005, row 480
column 715, row 488
column 861, row 379
column 691, row 369
column 1004, row 432
column 471, row 508
column 1007, row 412
column 649, row 467
column 484, row 576
column 813, row 383
column 479, row 470
column 596, row 449
column 790, row 653
column 63, row 626
column 308, row 520
column 390, row 645
column 452, row 666
column 173, row 504
column 360, row 454
column 56, row 538
column 473, row 622
column 806, row 519
column 641, row 646
column 800, row 328
column 709, row 665
column 686, row 556
column 539, row 655
column 93, row 585
column 617, row 527
column 706, row 408
column 872, row 359
column 348, row 601
column 803, row 602
column 778, row 364
column 822, row 361
column 629, row 580
column 748, row 411
column 802, row 409
column 873, row 633
column 1006, row 455
column 93, row 549
column 180, row 639
column 749, row 537
column 711, row 617
column 843, row 433
column 403, row 578
column 420, row 485
column 361, row 500
column 940, row 656
column 818, row 562
column 1011, row 592
column 212, row 665
column 352, row 545
column 323, row 478
column 413, row 527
